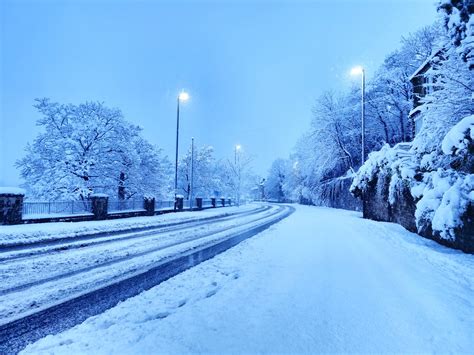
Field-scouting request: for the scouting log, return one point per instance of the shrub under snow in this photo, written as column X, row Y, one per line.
column 444, row 194
column 459, row 137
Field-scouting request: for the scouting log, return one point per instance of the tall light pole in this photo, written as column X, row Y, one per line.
column 192, row 175
column 360, row 71
column 237, row 148
column 183, row 96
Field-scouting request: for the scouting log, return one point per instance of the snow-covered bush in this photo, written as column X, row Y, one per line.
column 443, row 193
column 385, row 162
column 460, row 139
column 376, row 163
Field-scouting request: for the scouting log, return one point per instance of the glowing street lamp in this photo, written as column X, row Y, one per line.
column 238, row 147
column 182, row 97
column 360, row 71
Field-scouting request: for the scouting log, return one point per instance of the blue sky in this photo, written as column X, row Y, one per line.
column 252, row 68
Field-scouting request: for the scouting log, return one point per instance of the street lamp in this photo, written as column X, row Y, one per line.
column 183, row 96
column 237, row 148
column 360, row 71
column 192, row 175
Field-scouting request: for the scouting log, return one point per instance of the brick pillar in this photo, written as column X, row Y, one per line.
column 100, row 205
column 213, row 202
column 223, row 201
column 149, row 205
column 199, row 203
column 11, row 208
column 229, row 202
column 179, row 203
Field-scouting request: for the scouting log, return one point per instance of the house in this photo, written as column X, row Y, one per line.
column 423, row 84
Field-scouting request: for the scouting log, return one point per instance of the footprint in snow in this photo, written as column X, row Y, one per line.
column 182, row 302
column 212, row 292
column 159, row 315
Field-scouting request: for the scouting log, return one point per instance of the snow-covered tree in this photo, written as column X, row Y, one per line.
column 240, row 170
column 89, row 148
column 276, row 180
column 205, row 178
column 448, row 103
column 459, row 22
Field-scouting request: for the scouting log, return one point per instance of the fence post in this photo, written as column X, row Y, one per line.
column 179, row 202
column 11, row 205
column 149, row 205
column 223, row 201
column 213, row 202
column 199, row 203
column 49, row 207
column 100, row 204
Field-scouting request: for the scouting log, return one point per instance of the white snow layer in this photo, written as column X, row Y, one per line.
column 457, row 139
column 12, row 190
column 321, row 281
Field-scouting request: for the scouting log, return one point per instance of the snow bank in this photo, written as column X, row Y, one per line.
column 12, row 190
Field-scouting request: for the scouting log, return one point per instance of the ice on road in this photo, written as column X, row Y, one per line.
column 322, row 280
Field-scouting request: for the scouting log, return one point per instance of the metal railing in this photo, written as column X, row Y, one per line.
column 55, row 208
column 164, row 205
column 186, row 204
column 125, row 205
column 206, row 203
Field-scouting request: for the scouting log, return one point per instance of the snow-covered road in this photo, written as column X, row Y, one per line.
column 322, row 280
column 37, row 277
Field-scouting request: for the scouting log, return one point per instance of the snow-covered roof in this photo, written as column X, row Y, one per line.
column 12, row 191
column 425, row 63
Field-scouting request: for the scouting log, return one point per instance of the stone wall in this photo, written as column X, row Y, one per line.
column 336, row 194
column 375, row 202
column 402, row 211
column 11, row 208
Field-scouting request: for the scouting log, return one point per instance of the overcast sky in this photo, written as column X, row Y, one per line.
column 252, row 68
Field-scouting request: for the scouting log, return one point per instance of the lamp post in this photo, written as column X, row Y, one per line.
column 237, row 148
column 192, row 175
column 183, row 96
column 360, row 71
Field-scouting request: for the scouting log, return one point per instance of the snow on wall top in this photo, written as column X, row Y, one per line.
column 12, row 190
column 99, row 195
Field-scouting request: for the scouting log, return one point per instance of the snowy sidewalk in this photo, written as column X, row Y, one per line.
column 323, row 280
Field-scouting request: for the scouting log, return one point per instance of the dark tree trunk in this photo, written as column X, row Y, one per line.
column 121, row 186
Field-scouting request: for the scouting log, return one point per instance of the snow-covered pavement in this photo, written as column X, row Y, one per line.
column 322, row 280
